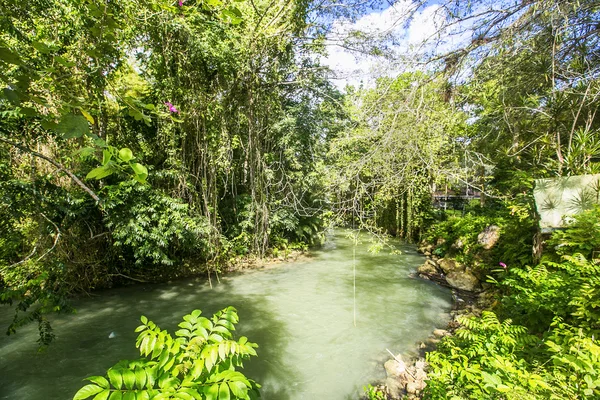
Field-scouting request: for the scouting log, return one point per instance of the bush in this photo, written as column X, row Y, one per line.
column 152, row 227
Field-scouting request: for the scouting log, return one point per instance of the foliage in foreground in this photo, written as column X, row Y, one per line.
column 550, row 351
column 199, row 363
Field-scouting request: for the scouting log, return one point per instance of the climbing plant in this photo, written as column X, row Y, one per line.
column 198, row 363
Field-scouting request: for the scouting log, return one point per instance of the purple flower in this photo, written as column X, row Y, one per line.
column 502, row 265
column 171, row 107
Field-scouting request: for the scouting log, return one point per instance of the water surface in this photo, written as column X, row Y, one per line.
column 301, row 314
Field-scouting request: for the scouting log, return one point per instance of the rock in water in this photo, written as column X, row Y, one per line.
column 112, row 335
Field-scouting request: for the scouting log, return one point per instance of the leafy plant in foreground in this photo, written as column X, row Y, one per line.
column 198, row 364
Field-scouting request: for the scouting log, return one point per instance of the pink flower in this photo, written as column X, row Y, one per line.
column 171, row 107
column 502, row 265
column 180, row 3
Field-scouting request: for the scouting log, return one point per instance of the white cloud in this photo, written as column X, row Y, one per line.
column 403, row 42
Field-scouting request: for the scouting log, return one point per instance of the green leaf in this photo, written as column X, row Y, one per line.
column 72, row 126
column 87, row 391
column 224, row 392
column 100, row 142
column 116, row 395
column 103, row 395
column 140, row 378
column 141, row 172
column 85, row 151
column 9, row 57
column 63, row 61
column 100, row 172
column 126, row 154
column 106, row 156
column 212, row 392
column 192, row 392
column 87, row 116
column 128, row 378
column 129, row 396
column 115, row 377
column 12, row 96
column 41, row 47
column 100, row 381
column 143, row 395
column 238, row 389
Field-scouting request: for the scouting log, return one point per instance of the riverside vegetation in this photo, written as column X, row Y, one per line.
column 150, row 140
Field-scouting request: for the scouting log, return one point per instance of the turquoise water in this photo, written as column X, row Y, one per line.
column 301, row 314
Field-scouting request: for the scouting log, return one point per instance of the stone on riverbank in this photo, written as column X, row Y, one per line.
column 463, row 280
column 489, row 237
column 449, row 265
column 427, row 269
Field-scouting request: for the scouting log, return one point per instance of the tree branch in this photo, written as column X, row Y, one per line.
column 56, row 164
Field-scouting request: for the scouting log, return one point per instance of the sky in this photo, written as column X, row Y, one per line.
column 403, row 40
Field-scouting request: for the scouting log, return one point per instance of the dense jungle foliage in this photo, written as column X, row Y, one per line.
column 142, row 141
column 148, row 140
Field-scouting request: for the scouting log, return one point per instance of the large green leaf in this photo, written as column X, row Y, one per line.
column 103, row 395
column 116, row 395
column 140, row 378
column 115, row 377
column 100, row 172
column 141, row 172
column 87, row 391
column 73, row 126
column 212, row 392
column 129, row 396
column 128, row 378
column 224, row 391
column 100, row 381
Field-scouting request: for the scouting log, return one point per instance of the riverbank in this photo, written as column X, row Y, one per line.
column 300, row 314
column 407, row 373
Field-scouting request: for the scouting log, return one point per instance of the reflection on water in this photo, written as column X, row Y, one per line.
column 300, row 314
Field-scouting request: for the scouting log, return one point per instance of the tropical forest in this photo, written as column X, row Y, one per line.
column 299, row 199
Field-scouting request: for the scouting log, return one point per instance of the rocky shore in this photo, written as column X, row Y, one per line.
column 407, row 374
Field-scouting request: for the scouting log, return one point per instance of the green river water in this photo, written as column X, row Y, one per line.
column 300, row 314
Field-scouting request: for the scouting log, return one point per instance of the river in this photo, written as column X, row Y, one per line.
column 301, row 314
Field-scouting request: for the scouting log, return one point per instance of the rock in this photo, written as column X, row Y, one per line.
column 449, row 265
column 427, row 253
column 427, row 269
column 395, row 389
column 432, row 262
column 440, row 241
column 462, row 280
column 421, row 364
column 434, row 257
column 415, row 387
column 458, row 244
column 440, row 333
column 411, row 388
column 489, row 237
column 395, row 368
